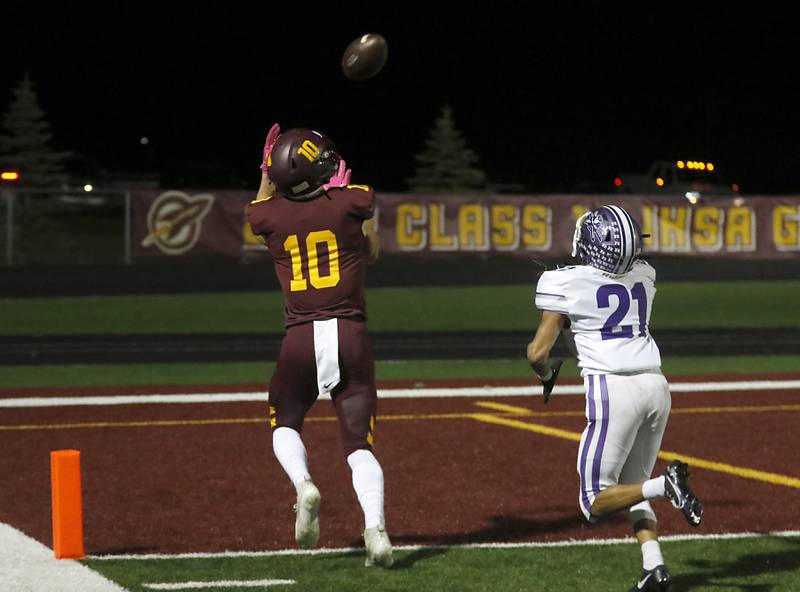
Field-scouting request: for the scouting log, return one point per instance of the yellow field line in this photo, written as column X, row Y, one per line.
column 737, row 409
column 505, row 416
column 222, row 421
column 512, row 409
column 774, row 478
column 501, row 408
column 531, row 427
column 130, row 424
column 415, row 416
column 677, row 410
column 702, row 463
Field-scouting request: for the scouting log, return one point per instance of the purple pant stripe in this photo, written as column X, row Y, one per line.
column 601, row 441
column 587, row 506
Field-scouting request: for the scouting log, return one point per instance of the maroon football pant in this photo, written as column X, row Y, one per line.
column 293, row 387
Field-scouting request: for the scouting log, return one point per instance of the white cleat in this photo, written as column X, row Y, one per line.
column 306, row 524
column 379, row 548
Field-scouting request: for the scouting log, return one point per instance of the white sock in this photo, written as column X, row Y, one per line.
column 291, row 453
column 654, row 488
column 651, row 555
column 368, row 484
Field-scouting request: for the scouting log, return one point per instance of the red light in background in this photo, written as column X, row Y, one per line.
column 9, row 176
column 618, row 182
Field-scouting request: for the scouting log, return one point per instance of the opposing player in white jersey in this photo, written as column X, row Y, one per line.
column 603, row 306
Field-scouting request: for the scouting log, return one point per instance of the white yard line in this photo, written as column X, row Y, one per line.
column 417, row 393
column 27, row 565
column 528, row 545
column 218, row 584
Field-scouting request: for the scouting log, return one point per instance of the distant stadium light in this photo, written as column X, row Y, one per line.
column 701, row 166
column 144, row 140
column 9, row 176
column 710, row 166
column 87, row 188
column 680, row 164
column 660, row 182
column 618, row 182
column 692, row 197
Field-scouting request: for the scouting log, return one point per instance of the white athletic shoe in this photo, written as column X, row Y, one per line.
column 306, row 524
column 379, row 548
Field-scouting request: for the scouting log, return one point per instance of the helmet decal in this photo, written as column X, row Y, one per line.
column 309, row 150
column 607, row 238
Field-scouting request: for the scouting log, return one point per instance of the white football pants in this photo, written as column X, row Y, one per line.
column 626, row 418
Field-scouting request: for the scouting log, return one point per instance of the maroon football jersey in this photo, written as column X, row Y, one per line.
column 319, row 250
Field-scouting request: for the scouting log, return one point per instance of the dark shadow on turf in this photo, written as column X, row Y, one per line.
column 503, row 529
column 408, row 560
column 725, row 576
column 402, row 559
column 125, row 551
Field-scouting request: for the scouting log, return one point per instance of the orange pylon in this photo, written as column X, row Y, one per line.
column 65, row 478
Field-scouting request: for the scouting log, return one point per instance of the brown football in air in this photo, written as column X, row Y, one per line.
column 365, row 56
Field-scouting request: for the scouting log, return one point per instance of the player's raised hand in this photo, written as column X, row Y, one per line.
column 341, row 178
column 273, row 134
column 547, row 385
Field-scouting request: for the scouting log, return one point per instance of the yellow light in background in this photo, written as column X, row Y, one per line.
column 87, row 188
column 9, row 176
column 710, row 166
column 680, row 164
column 690, row 165
column 701, row 166
column 660, row 182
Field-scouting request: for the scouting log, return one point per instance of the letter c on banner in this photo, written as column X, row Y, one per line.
column 412, row 218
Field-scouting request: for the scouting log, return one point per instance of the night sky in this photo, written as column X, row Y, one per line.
column 558, row 100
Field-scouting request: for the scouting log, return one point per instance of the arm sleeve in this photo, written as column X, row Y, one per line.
column 550, row 293
column 362, row 202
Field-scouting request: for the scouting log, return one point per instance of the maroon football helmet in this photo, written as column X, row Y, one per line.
column 301, row 162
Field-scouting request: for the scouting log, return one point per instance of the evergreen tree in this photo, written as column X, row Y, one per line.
column 26, row 141
column 445, row 164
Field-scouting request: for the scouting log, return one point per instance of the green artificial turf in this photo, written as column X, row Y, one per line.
column 706, row 565
column 87, row 375
column 731, row 304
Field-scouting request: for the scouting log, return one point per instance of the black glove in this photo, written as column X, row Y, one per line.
column 547, row 385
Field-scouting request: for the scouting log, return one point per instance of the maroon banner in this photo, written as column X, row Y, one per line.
column 176, row 223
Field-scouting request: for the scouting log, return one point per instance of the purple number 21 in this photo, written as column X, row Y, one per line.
column 612, row 328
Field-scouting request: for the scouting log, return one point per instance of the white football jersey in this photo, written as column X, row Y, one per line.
column 609, row 315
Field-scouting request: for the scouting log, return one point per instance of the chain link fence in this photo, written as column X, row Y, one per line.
column 64, row 227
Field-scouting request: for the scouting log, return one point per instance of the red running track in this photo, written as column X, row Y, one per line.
column 186, row 486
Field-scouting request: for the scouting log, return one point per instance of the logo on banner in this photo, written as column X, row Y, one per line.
column 175, row 219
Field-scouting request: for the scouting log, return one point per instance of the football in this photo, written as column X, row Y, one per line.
column 365, row 56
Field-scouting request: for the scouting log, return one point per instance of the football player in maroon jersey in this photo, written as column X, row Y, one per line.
column 321, row 233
